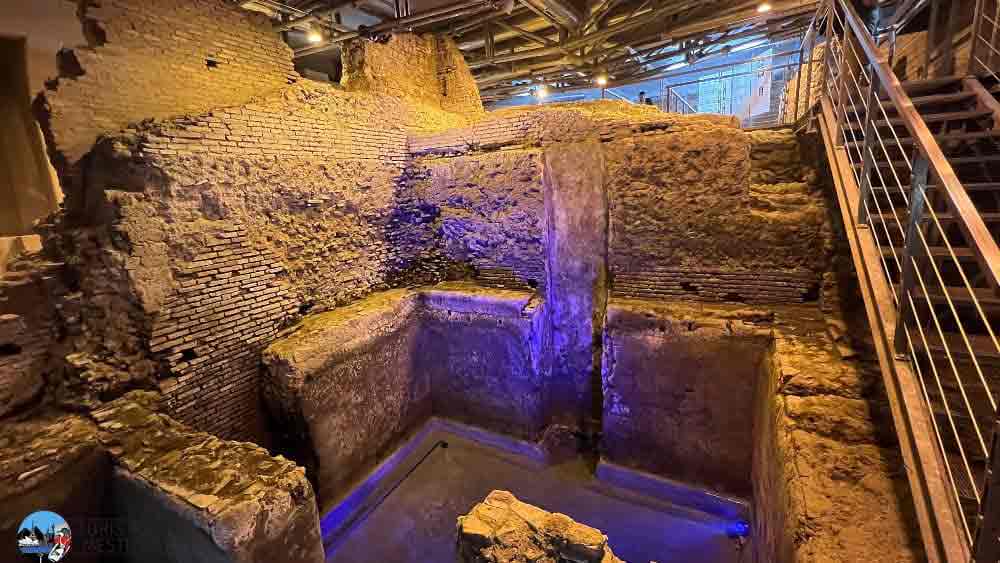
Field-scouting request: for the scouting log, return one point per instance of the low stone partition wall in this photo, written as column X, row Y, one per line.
column 189, row 496
column 481, row 348
column 679, row 392
column 52, row 462
column 342, row 386
column 762, row 404
column 350, row 383
column 502, row 529
column 136, row 485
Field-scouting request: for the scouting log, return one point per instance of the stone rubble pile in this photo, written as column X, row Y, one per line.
column 502, row 529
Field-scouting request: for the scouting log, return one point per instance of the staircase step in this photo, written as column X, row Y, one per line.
column 982, row 346
column 988, row 300
column 922, row 101
column 909, row 141
column 953, row 161
column 890, row 219
column 929, row 118
column 923, row 87
column 962, row 253
column 969, row 187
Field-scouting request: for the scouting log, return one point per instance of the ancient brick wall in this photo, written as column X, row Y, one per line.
column 156, row 60
column 206, row 233
column 699, row 209
column 211, row 331
column 421, row 68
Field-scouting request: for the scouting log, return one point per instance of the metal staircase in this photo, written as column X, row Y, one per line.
column 917, row 171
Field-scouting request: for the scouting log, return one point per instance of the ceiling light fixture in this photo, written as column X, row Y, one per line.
column 602, row 80
column 314, row 35
column 763, row 8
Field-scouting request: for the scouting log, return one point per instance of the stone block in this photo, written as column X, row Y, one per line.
column 502, row 529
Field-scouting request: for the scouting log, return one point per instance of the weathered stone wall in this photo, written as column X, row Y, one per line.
column 343, row 388
column 156, row 60
column 829, row 470
column 189, row 496
column 54, row 460
column 421, row 68
column 481, row 349
column 679, row 393
column 715, row 214
column 489, row 212
column 134, row 484
column 697, row 208
column 348, row 384
column 459, row 93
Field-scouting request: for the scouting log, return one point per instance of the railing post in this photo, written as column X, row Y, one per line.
column 977, row 21
column 866, row 155
column 798, row 83
column 986, row 547
column 841, row 101
column 918, row 199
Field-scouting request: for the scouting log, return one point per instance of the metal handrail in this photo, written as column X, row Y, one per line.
column 970, row 221
column 912, row 259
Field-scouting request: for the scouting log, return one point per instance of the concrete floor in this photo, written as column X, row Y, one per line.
column 413, row 518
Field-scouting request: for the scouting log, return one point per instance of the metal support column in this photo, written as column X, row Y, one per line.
column 918, row 198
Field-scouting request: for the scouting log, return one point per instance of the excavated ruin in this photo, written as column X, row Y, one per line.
column 280, row 320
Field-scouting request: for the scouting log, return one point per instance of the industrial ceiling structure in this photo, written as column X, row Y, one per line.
column 516, row 46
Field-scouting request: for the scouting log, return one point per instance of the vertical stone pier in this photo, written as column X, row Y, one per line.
column 576, row 222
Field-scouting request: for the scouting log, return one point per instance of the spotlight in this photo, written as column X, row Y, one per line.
column 314, row 35
column 542, row 91
column 602, row 80
column 763, row 8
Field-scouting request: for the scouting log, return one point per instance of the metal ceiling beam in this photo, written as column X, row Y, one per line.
column 425, row 18
column 532, row 26
column 621, row 27
column 562, row 12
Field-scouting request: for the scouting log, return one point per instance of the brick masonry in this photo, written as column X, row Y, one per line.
column 206, row 139
column 228, row 307
column 157, row 60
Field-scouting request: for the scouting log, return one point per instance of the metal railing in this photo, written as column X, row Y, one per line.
column 743, row 89
column 934, row 270
column 984, row 56
column 672, row 102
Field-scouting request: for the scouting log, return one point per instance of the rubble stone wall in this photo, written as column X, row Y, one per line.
column 422, row 68
column 679, row 393
column 481, row 348
column 489, row 212
column 720, row 216
column 344, row 387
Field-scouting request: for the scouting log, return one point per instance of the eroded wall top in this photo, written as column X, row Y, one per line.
column 154, row 60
